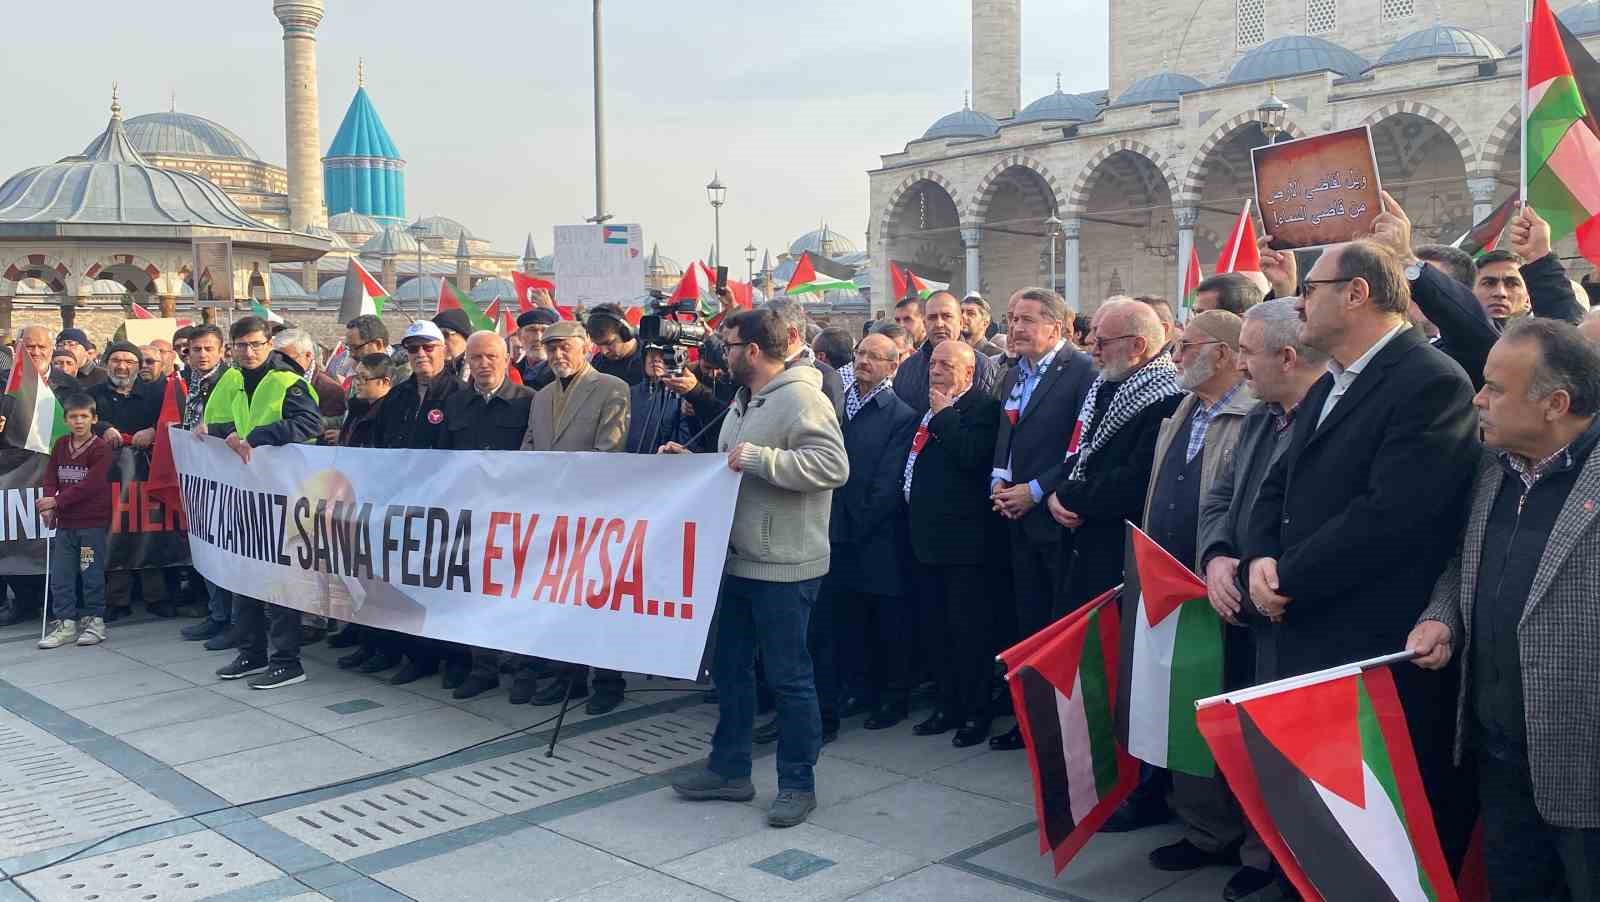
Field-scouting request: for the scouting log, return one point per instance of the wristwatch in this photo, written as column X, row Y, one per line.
column 1414, row 270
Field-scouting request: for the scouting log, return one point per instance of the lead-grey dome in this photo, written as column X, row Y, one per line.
column 1440, row 41
column 182, row 134
column 389, row 241
column 963, row 123
column 287, row 288
column 1058, row 107
column 440, row 227
column 1162, row 87
column 1295, row 55
column 352, row 223
column 111, row 184
column 1581, row 19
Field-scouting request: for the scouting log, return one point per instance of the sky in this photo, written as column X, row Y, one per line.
column 490, row 101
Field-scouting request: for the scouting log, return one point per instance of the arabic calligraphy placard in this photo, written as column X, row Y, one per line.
column 1317, row 191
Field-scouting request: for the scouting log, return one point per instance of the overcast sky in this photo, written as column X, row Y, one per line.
column 489, row 101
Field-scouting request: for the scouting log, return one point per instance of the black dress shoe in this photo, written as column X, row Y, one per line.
column 411, row 672
column 885, row 717
column 232, row 637
column 765, row 733
column 311, row 635
column 1245, row 883
column 13, row 612
column 971, row 733
column 1184, row 855
column 205, row 629
column 1009, row 741
column 378, row 662
column 349, row 637
column 1131, row 815
column 604, row 702
column 354, row 659
column 854, row 707
column 475, row 686
column 933, row 726
column 522, row 690
column 455, row 673
column 556, row 693
column 115, row 614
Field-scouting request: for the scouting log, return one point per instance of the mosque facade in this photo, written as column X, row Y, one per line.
column 1159, row 161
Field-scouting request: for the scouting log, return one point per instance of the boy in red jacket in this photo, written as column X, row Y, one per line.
column 77, row 503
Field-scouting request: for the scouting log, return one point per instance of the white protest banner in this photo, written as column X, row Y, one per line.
column 612, row 560
column 599, row 264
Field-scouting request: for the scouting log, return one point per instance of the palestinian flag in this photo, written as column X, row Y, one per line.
column 362, row 293
column 1239, row 253
column 1064, row 694
column 907, row 283
column 1191, row 281
column 1323, row 767
column 1483, row 236
column 140, row 312
column 1022, row 651
column 814, row 275
column 1561, row 150
column 699, row 284
column 162, row 483
column 1171, row 657
column 1585, row 71
column 36, row 419
column 262, row 310
column 526, row 285
column 449, row 301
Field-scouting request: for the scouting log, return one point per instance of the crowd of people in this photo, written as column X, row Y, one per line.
column 1391, row 450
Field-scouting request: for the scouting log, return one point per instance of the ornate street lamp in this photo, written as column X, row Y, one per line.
column 1272, row 113
column 717, row 193
column 750, row 258
column 1054, row 224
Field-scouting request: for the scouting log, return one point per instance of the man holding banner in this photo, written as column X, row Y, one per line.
column 265, row 401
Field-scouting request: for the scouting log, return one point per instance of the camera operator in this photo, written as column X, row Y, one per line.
column 707, row 385
column 618, row 345
column 656, row 413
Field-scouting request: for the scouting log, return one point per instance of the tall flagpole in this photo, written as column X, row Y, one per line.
column 1527, row 32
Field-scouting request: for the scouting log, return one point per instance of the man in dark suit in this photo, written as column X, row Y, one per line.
column 941, row 320
column 1356, row 520
column 946, row 486
column 1518, row 602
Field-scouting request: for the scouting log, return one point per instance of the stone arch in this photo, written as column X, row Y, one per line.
column 1469, row 154
column 133, row 260
column 45, row 267
column 1078, row 197
column 905, row 186
column 1194, row 181
column 1506, row 134
column 978, row 210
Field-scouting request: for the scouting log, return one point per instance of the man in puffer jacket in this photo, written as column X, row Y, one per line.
column 783, row 435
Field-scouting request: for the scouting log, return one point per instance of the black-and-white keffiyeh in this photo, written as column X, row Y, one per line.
column 1152, row 382
column 852, row 400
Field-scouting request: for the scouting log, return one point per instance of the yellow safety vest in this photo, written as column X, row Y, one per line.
column 229, row 404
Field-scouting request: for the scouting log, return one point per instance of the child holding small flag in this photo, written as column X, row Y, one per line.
column 77, row 504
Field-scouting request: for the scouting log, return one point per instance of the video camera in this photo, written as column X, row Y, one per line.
column 672, row 328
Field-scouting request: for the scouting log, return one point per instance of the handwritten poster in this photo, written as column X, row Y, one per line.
column 597, row 264
column 1317, row 191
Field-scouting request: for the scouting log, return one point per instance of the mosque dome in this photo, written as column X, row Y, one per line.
column 1059, row 106
column 185, row 135
column 390, row 240
column 361, row 133
column 489, row 289
column 837, row 244
column 287, row 288
column 963, row 123
column 111, row 184
column 1295, row 55
column 428, row 285
column 441, row 227
column 352, row 223
column 1162, row 87
column 1582, row 19
column 31, row 285
column 1440, row 41
column 661, row 264
column 335, row 241
column 105, row 287
column 332, row 290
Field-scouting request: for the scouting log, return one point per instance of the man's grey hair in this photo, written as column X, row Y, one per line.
column 790, row 311
column 1567, row 362
column 23, row 332
column 1281, row 328
column 296, row 340
column 891, row 330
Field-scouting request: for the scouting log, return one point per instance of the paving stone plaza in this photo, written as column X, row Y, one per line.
column 207, row 790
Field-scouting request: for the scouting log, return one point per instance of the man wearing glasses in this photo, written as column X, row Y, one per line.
column 263, row 401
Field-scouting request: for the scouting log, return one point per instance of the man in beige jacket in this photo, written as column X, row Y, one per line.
column 582, row 410
column 782, row 434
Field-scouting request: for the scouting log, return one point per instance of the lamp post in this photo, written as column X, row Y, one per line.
column 1054, row 223
column 417, row 230
column 717, row 193
column 1272, row 113
column 750, row 259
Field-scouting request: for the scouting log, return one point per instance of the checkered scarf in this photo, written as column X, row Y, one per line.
column 853, row 402
column 1153, row 382
column 1013, row 406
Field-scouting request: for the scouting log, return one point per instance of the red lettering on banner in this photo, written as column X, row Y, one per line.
column 597, row 593
column 493, row 552
column 688, row 562
column 124, row 509
column 519, row 548
column 630, row 572
column 555, row 562
column 573, row 580
column 134, row 511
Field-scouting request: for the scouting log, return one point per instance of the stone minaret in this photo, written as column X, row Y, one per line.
column 463, row 268
column 300, row 19
column 530, row 257
column 997, row 57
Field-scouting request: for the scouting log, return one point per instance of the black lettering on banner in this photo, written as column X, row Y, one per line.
column 409, row 576
column 301, row 507
column 280, row 529
column 460, row 547
column 361, row 566
column 435, row 548
column 339, row 529
column 322, row 557
column 390, row 543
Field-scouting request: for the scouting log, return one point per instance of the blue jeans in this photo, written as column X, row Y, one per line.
column 219, row 601
column 773, row 616
column 78, row 573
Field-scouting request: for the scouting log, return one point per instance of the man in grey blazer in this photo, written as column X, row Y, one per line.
column 582, row 410
column 1519, row 602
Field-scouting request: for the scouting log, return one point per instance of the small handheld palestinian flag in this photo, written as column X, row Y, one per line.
column 1485, row 234
column 36, row 419
column 1561, row 151
column 262, row 310
column 475, row 316
column 1064, row 693
column 815, row 275
column 1239, row 253
column 908, row 283
column 1171, row 656
column 1322, row 764
column 362, row 293
column 1191, row 281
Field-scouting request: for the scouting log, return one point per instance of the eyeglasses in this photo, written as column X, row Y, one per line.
column 250, row 345
column 730, row 345
column 1184, row 346
column 359, row 379
column 1098, row 343
column 886, row 358
column 1308, row 284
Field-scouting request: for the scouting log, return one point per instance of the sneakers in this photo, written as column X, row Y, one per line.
column 279, row 675
column 93, row 631
column 242, row 666
column 790, row 808
column 705, row 786
column 65, row 633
